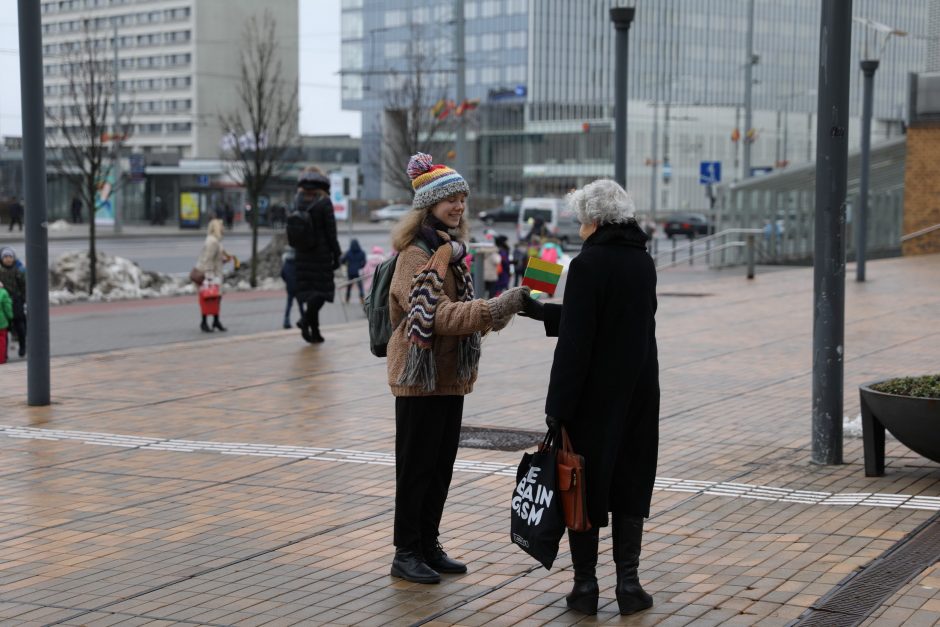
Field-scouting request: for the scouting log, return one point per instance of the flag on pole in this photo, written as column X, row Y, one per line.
column 542, row 275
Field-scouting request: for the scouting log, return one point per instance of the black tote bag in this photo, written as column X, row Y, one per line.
column 537, row 518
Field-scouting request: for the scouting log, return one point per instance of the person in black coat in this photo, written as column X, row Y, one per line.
column 319, row 258
column 604, row 386
column 355, row 260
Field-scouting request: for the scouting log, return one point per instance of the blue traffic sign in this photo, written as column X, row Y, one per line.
column 202, row 180
column 709, row 172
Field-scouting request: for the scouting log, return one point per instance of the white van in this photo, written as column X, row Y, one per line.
column 554, row 212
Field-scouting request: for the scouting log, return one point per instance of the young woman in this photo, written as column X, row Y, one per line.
column 432, row 360
column 604, row 386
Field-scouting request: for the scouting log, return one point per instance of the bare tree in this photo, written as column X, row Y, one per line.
column 263, row 127
column 85, row 137
column 417, row 116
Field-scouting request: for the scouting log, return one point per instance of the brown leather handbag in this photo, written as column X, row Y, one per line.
column 571, row 485
column 197, row 276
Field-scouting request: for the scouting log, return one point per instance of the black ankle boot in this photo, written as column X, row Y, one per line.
column 584, row 593
column 410, row 566
column 205, row 326
column 218, row 325
column 436, row 558
column 628, row 540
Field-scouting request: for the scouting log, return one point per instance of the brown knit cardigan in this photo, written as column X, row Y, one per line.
column 452, row 320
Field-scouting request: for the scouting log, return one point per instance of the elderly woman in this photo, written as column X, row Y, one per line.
column 604, row 386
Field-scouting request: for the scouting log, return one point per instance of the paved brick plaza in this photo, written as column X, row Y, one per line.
column 249, row 480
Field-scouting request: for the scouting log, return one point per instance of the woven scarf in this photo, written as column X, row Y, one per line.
column 427, row 287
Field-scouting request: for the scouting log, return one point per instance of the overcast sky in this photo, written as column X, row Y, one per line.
column 320, row 112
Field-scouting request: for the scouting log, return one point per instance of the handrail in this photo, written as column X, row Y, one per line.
column 703, row 240
column 929, row 229
column 736, row 244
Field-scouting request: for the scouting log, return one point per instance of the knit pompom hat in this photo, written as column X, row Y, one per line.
column 433, row 182
column 312, row 178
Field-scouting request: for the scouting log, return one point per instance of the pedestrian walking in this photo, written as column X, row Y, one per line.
column 289, row 275
column 76, row 210
column 354, row 260
column 505, row 263
column 16, row 213
column 158, row 216
column 6, row 317
column 520, row 260
column 13, row 276
column 318, row 258
column 211, row 262
column 373, row 261
column 604, row 385
column 229, row 215
column 491, row 270
column 433, row 355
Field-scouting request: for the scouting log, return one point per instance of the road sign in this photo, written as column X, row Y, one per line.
column 709, row 172
column 667, row 172
column 202, row 180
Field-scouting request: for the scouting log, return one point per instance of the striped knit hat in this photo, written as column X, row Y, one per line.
column 433, row 183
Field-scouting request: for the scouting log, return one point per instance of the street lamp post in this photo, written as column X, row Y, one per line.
column 868, row 66
column 622, row 17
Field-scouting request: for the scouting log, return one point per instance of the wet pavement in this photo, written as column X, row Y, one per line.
column 249, row 480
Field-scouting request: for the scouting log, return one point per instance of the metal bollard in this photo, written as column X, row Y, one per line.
column 673, row 250
column 708, row 252
column 750, row 256
column 691, row 251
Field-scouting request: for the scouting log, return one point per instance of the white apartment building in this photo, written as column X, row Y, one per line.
column 178, row 62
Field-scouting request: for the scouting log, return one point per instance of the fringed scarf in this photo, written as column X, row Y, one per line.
column 426, row 290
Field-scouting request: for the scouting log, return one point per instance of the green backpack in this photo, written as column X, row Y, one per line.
column 377, row 303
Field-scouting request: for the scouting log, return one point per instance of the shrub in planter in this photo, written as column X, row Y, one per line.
column 909, row 408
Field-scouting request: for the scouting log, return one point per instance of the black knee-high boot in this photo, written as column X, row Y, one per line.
column 218, row 325
column 628, row 540
column 584, row 593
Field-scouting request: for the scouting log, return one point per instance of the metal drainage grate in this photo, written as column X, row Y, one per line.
column 499, row 439
column 856, row 597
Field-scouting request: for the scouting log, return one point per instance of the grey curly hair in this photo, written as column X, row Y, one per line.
column 603, row 202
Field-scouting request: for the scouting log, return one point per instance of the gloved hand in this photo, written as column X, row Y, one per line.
column 553, row 423
column 532, row 308
column 506, row 305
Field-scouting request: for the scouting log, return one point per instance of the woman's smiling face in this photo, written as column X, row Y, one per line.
column 450, row 210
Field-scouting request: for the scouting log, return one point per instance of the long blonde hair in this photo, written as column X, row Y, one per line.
column 409, row 226
column 215, row 228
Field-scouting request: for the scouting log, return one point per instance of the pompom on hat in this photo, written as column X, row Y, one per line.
column 433, row 182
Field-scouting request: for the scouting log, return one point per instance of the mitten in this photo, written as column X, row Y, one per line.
column 507, row 304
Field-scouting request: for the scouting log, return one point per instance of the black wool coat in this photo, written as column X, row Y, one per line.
column 604, row 384
column 315, row 266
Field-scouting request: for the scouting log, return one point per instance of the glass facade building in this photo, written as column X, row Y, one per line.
column 543, row 70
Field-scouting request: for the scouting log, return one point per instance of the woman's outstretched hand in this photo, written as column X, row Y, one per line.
column 532, row 308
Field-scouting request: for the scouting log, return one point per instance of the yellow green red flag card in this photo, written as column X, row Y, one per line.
column 542, row 275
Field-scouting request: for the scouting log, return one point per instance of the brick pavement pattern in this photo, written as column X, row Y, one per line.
column 250, row 480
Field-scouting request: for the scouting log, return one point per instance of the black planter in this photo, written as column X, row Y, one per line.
column 914, row 421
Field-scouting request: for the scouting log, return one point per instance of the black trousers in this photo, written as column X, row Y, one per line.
column 311, row 315
column 427, row 432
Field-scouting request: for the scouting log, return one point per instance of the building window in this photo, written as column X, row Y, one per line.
column 351, row 25
column 394, row 19
column 179, row 127
column 393, row 49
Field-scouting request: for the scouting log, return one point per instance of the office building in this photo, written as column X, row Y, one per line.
column 543, row 71
column 178, row 63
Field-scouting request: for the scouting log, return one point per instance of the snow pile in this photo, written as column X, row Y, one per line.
column 117, row 279
column 269, row 265
column 852, row 428
column 60, row 225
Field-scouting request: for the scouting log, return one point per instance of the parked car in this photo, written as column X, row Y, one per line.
column 389, row 212
column 690, row 225
column 507, row 213
column 559, row 221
